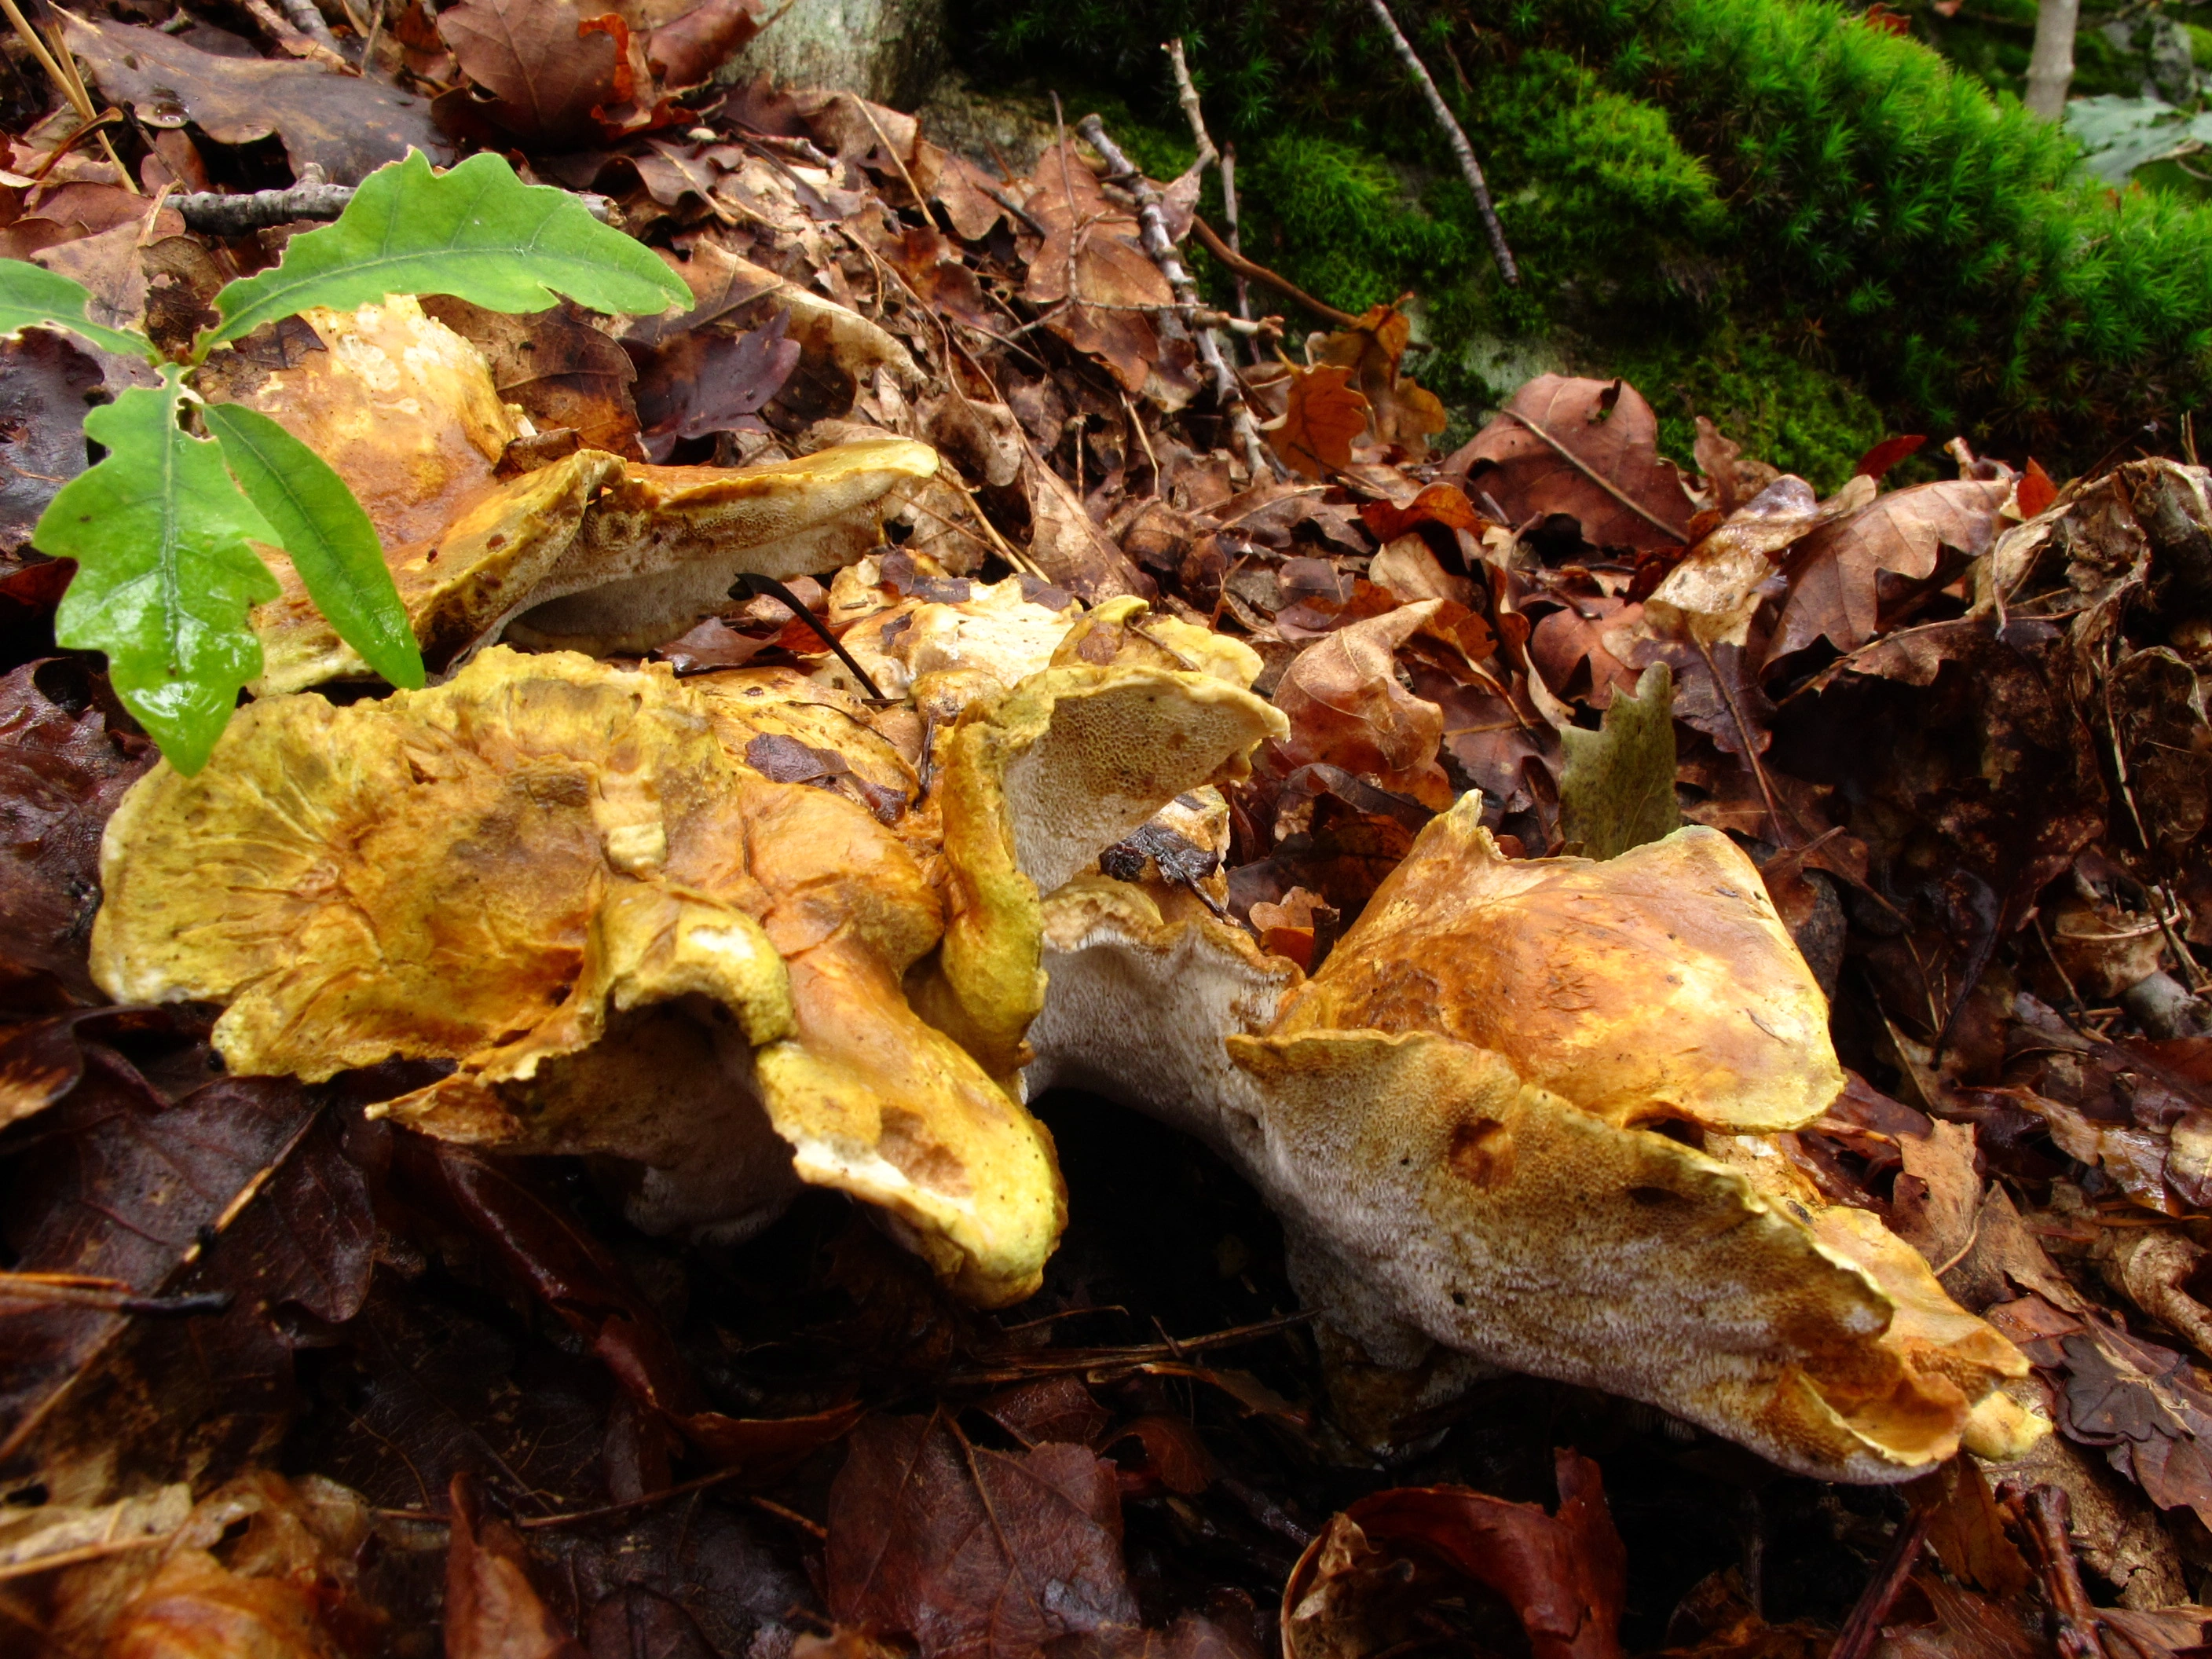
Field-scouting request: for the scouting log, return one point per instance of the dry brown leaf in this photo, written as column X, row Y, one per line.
column 1834, row 583
column 1403, row 412
column 1611, row 432
column 1346, row 708
column 1326, row 416
column 348, row 125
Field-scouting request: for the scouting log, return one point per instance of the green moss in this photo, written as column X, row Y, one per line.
column 1824, row 226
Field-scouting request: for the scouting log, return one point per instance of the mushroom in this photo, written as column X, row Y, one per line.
column 563, row 881
column 589, row 553
column 1518, row 1113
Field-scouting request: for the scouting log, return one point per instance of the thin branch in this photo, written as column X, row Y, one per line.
column 305, row 16
column 1456, row 136
column 1228, row 253
column 1186, row 95
column 214, row 215
column 53, row 56
column 1228, row 391
column 1862, row 1629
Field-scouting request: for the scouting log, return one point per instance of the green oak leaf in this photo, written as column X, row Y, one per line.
column 31, row 296
column 331, row 541
column 1617, row 790
column 476, row 232
column 166, row 578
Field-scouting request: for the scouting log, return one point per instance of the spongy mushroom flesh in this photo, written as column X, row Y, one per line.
column 592, row 552
column 1448, row 1174
column 546, row 855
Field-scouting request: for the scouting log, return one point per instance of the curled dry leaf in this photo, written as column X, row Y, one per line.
column 1346, row 707
column 1835, row 577
column 1566, row 1575
column 1611, row 433
column 1402, row 412
column 1325, row 417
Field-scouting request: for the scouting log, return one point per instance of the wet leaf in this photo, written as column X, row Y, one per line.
column 63, row 771
column 46, row 385
column 1565, row 1574
column 492, row 1610
column 974, row 1553
column 1618, row 790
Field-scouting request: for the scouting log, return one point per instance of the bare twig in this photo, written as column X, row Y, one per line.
column 1228, row 391
column 2046, row 1513
column 1210, row 239
column 1229, row 218
column 1863, row 1628
column 1186, row 93
column 212, row 215
column 1456, row 136
column 281, row 29
column 53, row 56
column 305, row 16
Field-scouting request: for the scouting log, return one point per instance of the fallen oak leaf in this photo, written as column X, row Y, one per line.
column 1588, row 448
column 492, row 1609
column 972, row 1553
column 1887, row 453
column 1401, row 411
column 1346, row 707
column 1326, row 415
column 1835, row 577
column 549, row 66
column 1618, row 789
column 702, row 384
column 1445, row 504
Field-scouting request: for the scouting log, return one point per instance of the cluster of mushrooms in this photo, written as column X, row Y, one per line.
column 1524, row 1112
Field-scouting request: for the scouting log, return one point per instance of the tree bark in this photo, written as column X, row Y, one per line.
column 2051, row 68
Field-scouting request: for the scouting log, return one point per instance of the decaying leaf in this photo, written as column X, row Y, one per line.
column 1610, row 434
column 1346, row 707
column 1833, row 591
column 1618, row 790
column 970, row 1552
column 347, row 125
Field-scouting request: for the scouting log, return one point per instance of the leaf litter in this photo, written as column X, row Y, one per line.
column 287, row 1376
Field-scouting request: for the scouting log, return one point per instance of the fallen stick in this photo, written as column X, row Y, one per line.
column 1229, row 218
column 1210, row 239
column 1456, row 136
column 211, row 214
column 1228, row 391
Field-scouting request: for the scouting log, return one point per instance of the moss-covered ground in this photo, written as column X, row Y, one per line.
column 1775, row 212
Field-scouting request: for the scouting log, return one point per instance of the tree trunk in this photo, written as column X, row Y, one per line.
column 2051, row 69
column 890, row 50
